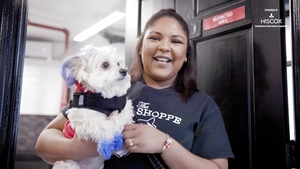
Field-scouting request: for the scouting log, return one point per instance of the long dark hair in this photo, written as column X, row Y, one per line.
column 185, row 82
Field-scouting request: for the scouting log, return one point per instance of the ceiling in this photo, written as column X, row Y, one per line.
column 72, row 15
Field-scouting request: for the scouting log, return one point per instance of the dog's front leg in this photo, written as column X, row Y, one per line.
column 68, row 164
column 92, row 163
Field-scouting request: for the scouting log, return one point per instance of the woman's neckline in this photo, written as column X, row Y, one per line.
column 155, row 85
column 142, row 80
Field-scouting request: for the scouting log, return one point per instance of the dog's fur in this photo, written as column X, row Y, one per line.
column 100, row 70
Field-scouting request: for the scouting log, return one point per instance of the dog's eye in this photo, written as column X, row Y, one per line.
column 118, row 64
column 105, row 65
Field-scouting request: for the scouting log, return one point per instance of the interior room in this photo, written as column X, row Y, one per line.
column 248, row 63
column 52, row 26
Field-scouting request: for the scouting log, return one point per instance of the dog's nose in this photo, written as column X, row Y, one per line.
column 123, row 72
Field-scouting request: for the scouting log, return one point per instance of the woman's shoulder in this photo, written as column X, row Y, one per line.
column 201, row 95
column 203, row 98
column 135, row 87
column 140, row 86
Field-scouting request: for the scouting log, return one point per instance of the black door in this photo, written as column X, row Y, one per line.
column 240, row 53
column 241, row 63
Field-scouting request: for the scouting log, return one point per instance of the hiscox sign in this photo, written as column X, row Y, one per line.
column 271, row 21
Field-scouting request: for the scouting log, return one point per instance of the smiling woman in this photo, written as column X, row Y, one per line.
column 164, row 51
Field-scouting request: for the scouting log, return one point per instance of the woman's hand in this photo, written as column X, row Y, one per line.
column 147, row 139
column 142, row 138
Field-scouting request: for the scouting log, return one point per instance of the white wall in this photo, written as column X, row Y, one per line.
column 41, row 88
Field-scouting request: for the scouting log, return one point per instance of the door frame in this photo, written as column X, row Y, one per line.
column 295, row 27
column 12, row 51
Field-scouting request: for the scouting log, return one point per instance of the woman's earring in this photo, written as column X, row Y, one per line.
column 140, row 53
column 185, row 60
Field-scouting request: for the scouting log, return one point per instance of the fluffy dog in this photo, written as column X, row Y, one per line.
column 102, row 82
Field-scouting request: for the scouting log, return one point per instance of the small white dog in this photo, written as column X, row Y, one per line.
column 102, row 82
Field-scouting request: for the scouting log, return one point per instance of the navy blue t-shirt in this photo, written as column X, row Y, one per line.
column 197, row 124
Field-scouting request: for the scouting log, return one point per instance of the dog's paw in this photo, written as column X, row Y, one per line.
column 68, row 164
column 118, row 142
column 107, row 148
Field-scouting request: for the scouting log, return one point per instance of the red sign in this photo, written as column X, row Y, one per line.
column 224, row 18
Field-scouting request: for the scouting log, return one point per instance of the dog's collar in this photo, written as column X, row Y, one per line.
column 79, row 88
column 95, row 101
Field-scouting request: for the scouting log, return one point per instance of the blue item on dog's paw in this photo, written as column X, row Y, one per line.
column 118, row 142
column 107, row 148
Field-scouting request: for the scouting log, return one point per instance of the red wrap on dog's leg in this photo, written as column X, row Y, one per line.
column 68, row 131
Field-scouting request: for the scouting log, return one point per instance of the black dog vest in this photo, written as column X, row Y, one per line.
column 95, row 101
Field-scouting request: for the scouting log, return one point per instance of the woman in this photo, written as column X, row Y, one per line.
column 180, row 127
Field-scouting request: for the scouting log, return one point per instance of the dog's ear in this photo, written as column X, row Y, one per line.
column 70, row 68
column 66, row 73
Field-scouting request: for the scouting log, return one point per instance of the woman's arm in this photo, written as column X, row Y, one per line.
column 52, row 145
column 177, row 157
column 147, row 139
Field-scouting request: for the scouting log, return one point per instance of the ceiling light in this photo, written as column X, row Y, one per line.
column 114, row 17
